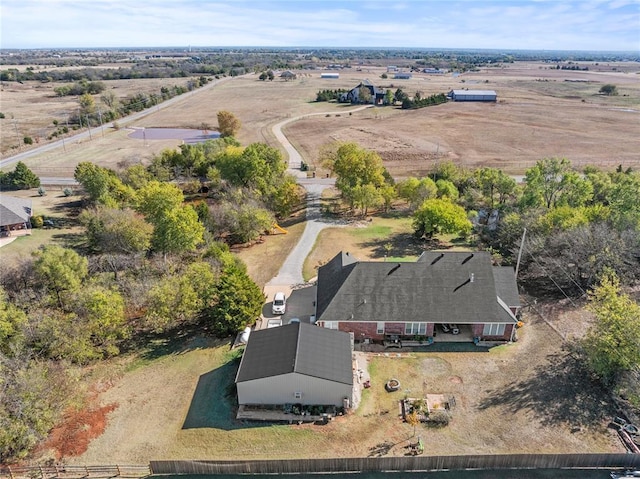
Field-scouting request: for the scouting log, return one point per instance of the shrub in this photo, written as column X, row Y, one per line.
column 37, row 221
column 28, row 140
column 2, row 115
column 67, row 192
column 439, row 419
column 42, row 191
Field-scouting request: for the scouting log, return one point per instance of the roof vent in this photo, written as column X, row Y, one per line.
column 472, row 278
column 437, row 258
column 467, row 258
column 393, row 269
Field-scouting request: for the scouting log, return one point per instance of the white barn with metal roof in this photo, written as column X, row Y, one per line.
column 473, row 95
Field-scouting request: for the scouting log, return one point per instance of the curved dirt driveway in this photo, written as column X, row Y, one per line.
column 290, row 274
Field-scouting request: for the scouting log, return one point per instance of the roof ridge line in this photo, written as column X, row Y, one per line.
column 297, row 355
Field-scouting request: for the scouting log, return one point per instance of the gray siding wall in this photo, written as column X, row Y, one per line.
column 281, row 389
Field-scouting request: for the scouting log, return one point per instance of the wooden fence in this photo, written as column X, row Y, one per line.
column 73, row 472
column 404, row 463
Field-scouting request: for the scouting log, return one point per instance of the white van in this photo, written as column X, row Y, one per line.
column 279, row 303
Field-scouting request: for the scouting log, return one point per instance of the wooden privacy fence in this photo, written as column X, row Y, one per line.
column 404, row 463
column 73, row 472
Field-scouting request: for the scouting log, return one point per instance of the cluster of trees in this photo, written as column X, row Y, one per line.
column 153, row 262
column 111, row 107
column 21, row 178
column 268, row 75
column 330, row 95
column 419, row 102
column 80, row 88
column 577, row 223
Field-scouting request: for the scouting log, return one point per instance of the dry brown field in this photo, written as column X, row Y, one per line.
column 538, row 114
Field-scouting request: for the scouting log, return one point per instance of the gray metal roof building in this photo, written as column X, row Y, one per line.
column 473, row 95
column 296, row 363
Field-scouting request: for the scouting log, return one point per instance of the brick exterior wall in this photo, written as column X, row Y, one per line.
column 368, row 330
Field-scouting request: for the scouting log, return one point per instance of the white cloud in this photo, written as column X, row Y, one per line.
column 508, row 24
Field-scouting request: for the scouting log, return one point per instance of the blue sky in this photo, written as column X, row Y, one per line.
column 601, row 25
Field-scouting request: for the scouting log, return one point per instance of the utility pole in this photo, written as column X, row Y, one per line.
column 520, row 252
column 88, row 127
column 15, row 125
column 101, row 125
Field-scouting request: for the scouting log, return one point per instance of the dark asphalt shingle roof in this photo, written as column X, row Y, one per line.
column 14, row 210
column 441, row 287
column 297, row 348
column 506, row 287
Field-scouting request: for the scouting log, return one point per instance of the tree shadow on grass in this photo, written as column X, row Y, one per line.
column 397, row 245
column 561, row 391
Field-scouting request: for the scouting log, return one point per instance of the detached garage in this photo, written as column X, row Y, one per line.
column 473, row 95
column 296, row 364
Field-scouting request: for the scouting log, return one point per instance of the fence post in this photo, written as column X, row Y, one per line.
column 10, row 472
column 118, row 469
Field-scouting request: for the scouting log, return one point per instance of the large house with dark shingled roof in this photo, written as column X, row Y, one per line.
column 296, row 364
column 382, row 301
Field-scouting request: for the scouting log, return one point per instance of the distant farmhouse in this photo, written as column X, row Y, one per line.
column 353, row 95
column 402, row 76
column 382, row 301
column 473, row 95
column 297, row 363
column 288, row 75
column 15, row 216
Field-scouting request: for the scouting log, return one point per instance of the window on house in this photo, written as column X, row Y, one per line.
column 331, row 324
column 297, row 395
column 493, row 329
column 380, row 328
column 415, row 328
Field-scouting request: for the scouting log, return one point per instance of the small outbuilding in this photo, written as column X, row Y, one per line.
column 330, row 75
column 297, row 363
column 288, row 75
column 473, row 95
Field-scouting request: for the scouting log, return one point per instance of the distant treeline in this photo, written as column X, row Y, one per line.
column 329, row 95
column 219, row 61
column 419, row 102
